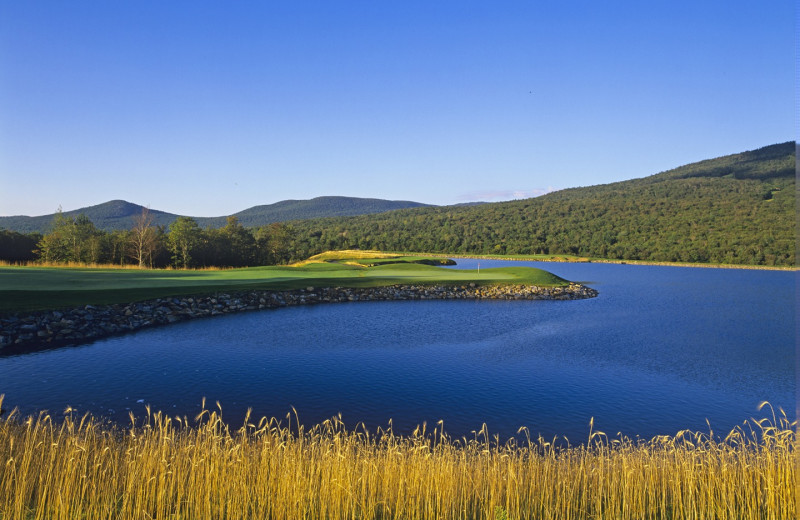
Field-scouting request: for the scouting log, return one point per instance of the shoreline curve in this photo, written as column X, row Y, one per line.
column 81, row 325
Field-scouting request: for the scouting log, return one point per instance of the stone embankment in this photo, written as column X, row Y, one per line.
column 81, row 325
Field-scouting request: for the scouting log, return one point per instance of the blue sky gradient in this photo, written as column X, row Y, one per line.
column 207, row 108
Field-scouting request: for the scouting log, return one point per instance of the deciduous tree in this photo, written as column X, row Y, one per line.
column 71, row 240
column 143, row 238
column 184, row 235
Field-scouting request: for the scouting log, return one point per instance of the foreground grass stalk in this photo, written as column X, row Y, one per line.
column 161, row 467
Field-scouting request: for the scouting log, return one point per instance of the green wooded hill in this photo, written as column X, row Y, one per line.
column 737, row 209
column 313, row 208
column 111, row 215
column 118, row 214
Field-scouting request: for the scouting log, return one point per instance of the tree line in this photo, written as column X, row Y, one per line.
column 182, row 244
column 693, row 219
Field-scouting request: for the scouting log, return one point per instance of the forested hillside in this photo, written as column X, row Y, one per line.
column 737, row 209
column 313, row 208
column 117, row 215
column 108, row 216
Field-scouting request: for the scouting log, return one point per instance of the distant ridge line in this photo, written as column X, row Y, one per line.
column 118, row 214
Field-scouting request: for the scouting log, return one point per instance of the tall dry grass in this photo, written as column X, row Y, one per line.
column 162, row 468
column 85, row 265
column 41, row 263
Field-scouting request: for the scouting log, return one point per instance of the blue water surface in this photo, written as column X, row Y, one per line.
column 659, row 350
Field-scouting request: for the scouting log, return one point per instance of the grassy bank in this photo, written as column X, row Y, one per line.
column 39, row 288
column 161, row 468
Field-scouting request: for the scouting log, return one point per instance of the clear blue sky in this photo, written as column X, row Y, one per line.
column 208, row 108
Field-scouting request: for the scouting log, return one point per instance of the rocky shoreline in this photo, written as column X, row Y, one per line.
column 85, row 324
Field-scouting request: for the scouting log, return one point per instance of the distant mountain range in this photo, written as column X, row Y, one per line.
column 118, row 214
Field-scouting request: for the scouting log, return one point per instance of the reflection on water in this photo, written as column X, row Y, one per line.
column 661, row 349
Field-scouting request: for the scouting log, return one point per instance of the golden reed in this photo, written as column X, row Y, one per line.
column 164, row 468
column 84, row 265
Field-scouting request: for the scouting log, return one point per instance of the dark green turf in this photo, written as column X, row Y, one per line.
column 37, row 288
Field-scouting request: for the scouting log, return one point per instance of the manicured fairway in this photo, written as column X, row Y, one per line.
column 38, row 288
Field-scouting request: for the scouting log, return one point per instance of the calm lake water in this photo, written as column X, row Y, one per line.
column 661, row 349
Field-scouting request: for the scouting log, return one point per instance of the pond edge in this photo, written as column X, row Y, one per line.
column 85, row 324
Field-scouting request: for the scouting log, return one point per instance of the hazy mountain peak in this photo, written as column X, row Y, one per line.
column 118, row 213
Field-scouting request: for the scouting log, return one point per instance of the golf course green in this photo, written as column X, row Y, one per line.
column 41, row 288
